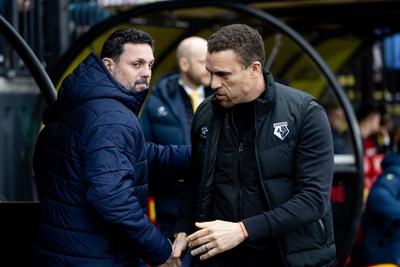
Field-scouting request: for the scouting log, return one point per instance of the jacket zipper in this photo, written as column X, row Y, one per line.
column 240, row 151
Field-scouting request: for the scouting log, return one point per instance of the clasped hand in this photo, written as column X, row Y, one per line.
column 214, row 237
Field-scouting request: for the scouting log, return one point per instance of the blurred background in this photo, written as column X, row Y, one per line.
column 345, row 53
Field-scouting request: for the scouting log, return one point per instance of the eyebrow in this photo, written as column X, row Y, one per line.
column 219, row 73
column 141, row 60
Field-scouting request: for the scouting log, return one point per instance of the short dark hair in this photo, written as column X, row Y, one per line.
column 113, row 47
column 369, row 108
column 242, row 39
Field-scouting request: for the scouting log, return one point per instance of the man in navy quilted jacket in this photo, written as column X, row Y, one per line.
column 92, row 163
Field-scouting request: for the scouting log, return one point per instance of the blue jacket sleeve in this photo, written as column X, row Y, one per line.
column 172, row 161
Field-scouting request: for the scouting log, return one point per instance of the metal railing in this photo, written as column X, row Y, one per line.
column 49, row 27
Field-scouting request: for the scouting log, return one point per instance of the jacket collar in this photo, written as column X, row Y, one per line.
column 266, row 99
column 92, row 80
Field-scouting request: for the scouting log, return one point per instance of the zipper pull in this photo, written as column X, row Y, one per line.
column 241, row 148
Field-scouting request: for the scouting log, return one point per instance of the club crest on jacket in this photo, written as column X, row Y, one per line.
column 281, row 130
column 161, row 111
column 204, row 131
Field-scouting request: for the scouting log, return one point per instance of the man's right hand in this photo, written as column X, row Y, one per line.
column 180, row 245
column 179, row 248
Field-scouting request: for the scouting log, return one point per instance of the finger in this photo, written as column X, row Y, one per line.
column 208, row 254
column 197, row 235
column 197, row 243
column 199, row 240
column 201, row 224
column 177, row 251
column 204, row 248
column 180, row 243
column 179, row 246
column 196, row 251
column 176, row 254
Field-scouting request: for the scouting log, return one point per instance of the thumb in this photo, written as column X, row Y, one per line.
column 177, row 253
column 201, row 224
column 179, row 246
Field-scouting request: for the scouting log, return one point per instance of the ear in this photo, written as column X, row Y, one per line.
column 183, row 64
column 109, row 64
column 255, row 68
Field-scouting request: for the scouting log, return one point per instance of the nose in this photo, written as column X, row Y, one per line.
column 215, row 82
column 146, row 71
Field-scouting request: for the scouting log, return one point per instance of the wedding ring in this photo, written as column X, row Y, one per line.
column 205, row 247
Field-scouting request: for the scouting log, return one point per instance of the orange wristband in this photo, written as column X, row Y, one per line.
column 241, row 227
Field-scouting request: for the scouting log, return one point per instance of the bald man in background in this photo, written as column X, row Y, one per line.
column 167, row 116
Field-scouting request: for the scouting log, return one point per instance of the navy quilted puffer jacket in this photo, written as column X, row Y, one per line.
column 92, row 163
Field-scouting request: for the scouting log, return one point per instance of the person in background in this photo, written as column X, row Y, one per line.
column 381, row 218
column 374, row 134
column 92, row 163
column 167, row 116
column 262, row 166
column 337, row 121
column 24, row 5
column 372, row 122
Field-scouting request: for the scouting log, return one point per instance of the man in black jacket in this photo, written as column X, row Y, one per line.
column 262, row 166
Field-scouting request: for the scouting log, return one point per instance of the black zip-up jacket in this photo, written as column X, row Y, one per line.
column 294, row 152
